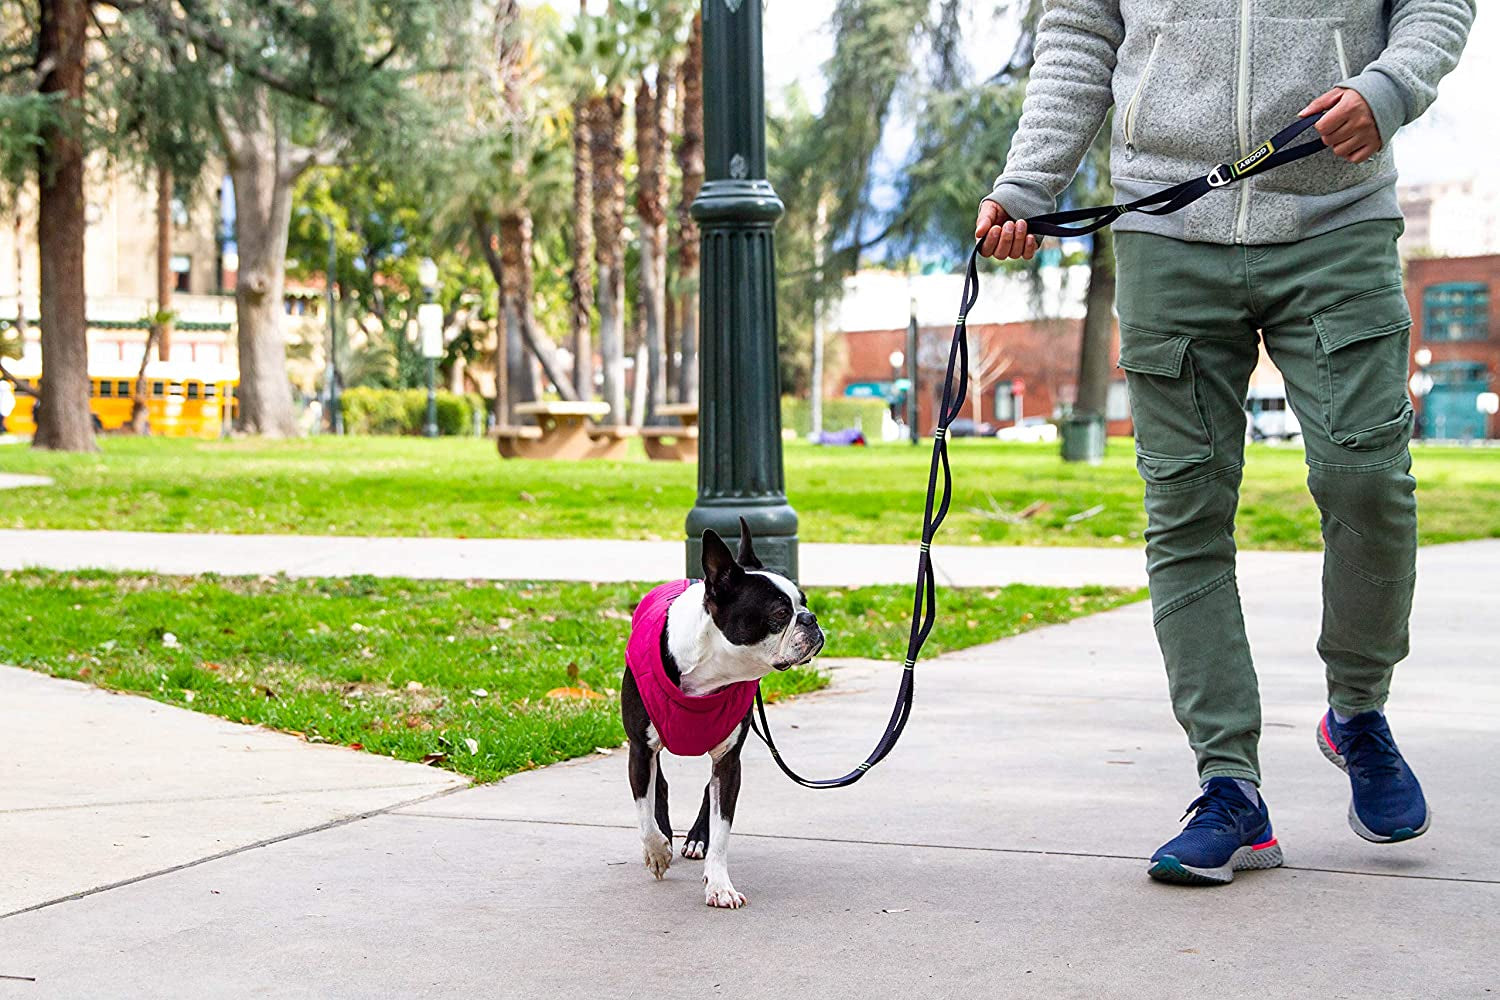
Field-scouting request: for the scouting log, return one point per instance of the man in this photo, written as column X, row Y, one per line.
column 1302, row 257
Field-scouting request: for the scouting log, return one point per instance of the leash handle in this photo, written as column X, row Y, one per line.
column 924, row 603
column 1274, row 152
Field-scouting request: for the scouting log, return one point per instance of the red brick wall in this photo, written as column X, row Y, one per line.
column 1043, row 353
column 1422, row 272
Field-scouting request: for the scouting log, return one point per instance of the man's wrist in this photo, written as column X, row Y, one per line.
column 1385, row 98
column 1021, row 199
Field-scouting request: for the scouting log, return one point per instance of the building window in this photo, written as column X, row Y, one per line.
column 182, row 266
column 1005, row 402
column 1456, row 310
column 1117, row 402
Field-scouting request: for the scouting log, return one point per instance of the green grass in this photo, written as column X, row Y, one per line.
column 412, row 669
column 457, row 487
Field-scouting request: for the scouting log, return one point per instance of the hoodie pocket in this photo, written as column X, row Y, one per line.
column 1132, row 110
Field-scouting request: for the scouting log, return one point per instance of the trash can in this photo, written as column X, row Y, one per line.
column 1083, row 438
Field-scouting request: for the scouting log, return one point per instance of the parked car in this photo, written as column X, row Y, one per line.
column 1032, row 430
column 964, row 427
column 1269, row 417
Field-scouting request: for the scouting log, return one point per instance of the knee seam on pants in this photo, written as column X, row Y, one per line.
column 1195, row 482
column 1368, row 577
column 1356, row 470
column 1203, row 591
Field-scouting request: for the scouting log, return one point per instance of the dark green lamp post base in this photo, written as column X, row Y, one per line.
column 772, row 525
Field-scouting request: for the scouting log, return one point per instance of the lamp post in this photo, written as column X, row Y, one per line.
column 430, row 326
column 333, row 406
column 739, row 427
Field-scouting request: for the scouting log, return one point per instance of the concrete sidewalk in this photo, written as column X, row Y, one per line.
column 997, row 853
column 574, row 559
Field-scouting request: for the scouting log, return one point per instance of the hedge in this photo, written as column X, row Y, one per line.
column 403, row 411
column 839, row 414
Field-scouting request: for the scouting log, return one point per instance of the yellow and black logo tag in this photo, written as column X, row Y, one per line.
column 1248, row 164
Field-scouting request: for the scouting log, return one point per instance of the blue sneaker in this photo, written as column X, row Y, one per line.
column 1227, row 833
column 1387, row 805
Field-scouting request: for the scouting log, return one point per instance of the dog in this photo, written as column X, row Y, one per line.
column 697, row 652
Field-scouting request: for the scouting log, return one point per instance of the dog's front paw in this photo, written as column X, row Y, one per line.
column 658, row 856
column 694, row 849
column 723, row 895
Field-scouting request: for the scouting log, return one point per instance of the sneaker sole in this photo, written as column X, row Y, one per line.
column 1355, row 824
column 1169, row 869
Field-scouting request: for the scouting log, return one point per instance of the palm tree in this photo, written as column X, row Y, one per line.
column 690, row 164
column 581, row 277
column 606, row 139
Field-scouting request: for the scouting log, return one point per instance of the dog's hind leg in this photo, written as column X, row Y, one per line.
column 695, row 845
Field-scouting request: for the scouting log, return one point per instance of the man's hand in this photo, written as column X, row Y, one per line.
column 1003, row 239
column 1349, row 125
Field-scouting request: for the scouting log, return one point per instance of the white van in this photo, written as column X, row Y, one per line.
column 1269, row 417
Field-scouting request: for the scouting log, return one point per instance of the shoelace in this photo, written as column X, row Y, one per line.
column 1212, row 810
column 1372, row 751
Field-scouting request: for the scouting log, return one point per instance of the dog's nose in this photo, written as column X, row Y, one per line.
column 806, row 619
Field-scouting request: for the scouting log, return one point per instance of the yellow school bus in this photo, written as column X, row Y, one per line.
column 182, row 400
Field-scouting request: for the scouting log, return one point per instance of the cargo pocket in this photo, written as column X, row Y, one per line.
column 1172, row 432
column 1362, row 364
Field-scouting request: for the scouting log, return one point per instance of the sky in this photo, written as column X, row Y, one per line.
column 1454, row 140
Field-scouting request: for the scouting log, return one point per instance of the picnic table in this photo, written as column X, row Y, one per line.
column 673, row 444
column 562, row 431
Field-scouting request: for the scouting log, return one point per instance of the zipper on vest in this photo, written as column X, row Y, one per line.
column 1338, row 47
column 1135, row 99
column 1242, row 117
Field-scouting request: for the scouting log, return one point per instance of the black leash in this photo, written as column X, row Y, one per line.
column 1078, row 222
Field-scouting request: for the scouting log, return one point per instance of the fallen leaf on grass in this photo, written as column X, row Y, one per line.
column 433, row 758
column 581, row 694
column 472, row 744
column 356, row 746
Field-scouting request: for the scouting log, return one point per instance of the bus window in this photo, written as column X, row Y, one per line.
column 158, row 389
column 104, row 388
column 194, row 390
column 174, row 389
column 210, row 391
column 122, row 388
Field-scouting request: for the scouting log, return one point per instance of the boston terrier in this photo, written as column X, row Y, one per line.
column 697, row 652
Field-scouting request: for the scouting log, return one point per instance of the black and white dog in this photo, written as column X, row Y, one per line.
column 697, row 652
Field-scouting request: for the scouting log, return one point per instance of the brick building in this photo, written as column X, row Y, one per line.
column 1005, row 334
column 1455, row 343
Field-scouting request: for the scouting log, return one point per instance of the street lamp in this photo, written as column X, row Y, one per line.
column 430, row 326
column 739, row 427
column 897, row 359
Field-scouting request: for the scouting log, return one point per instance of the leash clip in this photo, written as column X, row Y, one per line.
column 1216, row 179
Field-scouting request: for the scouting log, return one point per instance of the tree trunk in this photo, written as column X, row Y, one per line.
column 515, row 255
column 651, row 209
column 1098, row 322
column 690, row 163
column 609, row 251
column 502, row 358
column 581, row 280
column 164, row 279
column 64, row 423
column 518, row 232
column 263, row 176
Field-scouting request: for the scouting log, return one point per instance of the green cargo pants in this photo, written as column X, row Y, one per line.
column 1334, row 320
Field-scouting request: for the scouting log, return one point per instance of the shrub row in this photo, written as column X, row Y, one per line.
column 839, row 414
column 403, row 411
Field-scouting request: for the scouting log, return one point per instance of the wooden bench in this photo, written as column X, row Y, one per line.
column 510, row 440
column 670, row 444
column 611, row 441
column 562, row 431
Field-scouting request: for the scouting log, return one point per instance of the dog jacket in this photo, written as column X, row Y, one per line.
column 688, row 725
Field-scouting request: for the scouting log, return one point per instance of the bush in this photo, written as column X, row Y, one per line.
column 838, row 414
column 404, row 411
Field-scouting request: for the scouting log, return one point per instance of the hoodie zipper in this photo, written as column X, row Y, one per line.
column 1242, row 117
column 1338, row 46
column 1135, row 99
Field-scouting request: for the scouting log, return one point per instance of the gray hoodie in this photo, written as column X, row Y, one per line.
column 1199, row 82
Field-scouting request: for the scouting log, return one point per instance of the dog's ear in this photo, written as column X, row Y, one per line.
column 747, row 551
column 719, row 567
